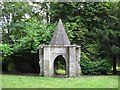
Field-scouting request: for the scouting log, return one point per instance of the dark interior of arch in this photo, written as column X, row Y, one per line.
column 59, row 65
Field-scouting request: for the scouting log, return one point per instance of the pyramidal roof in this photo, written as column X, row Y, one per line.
column 60, row 37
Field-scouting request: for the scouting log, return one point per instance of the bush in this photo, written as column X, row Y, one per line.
column 5, row 63
column 95, row 67
column 11, row 67
column 6, row 50
column 26, row 68
column 60, row 72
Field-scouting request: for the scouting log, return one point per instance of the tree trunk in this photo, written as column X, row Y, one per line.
column 114, row 64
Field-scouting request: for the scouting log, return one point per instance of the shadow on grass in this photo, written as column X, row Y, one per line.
column 57, row 76
column 21, row 73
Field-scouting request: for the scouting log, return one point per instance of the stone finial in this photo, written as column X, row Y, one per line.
column 60, row 37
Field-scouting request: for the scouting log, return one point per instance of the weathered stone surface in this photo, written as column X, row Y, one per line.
column 46, row 60
column 60, row 46
column 72, row 62
column 60, row 37
column 78, row 69
column 41, row 65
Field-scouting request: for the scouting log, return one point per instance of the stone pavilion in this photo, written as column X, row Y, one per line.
column 59, row 47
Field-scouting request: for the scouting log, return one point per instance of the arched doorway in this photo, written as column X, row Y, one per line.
column 59, row 66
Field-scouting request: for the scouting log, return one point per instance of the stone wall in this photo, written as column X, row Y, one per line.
column 70, row 53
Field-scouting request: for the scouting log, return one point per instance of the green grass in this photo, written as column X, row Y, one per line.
column 17, row 81
column 0, row 82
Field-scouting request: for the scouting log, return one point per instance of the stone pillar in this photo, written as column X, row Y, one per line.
column 78, row 61
column 50, row 65
column 41, row 65
column 46, row 61
column 66, row 56
column 72, row 61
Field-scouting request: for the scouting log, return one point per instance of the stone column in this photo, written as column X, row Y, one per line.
column 78, row 61
column 41, row 60
column 46, row 61
column 72, row 61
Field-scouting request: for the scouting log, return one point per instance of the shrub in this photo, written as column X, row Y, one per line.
column 60, row 72
column 26, row 67
column 22, row 67
column 6, row 50
column 95, row 67
column 11, row 67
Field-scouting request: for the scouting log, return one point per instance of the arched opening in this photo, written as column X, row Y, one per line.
column 59, row 66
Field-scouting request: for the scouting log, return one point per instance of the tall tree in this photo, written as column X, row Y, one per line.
column 96, row 25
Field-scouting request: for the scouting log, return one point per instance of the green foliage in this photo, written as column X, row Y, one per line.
column 23, row 67
column 6, row 50
column 60, row 66
column 60, row 72
column 95, row 67
column 36, row 33
column 93, row 25
column 69, row 31
column 84, row 56
column 18, row 10
column 11, row 67
column 115, row 50
column 59, row 63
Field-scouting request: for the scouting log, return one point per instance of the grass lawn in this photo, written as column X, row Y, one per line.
column 17, row 81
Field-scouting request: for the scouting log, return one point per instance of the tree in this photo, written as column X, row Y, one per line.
column 93, row 25
column 22, row 33
column 96, row 26
column 110, row 44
